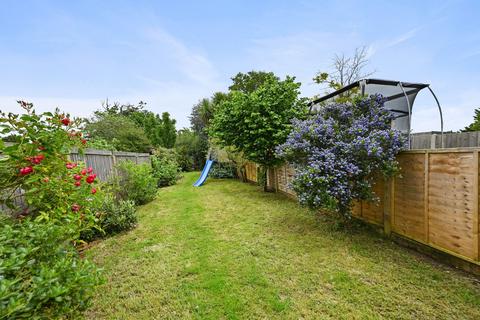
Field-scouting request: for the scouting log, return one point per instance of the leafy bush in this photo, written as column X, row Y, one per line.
column 37, row 163
column 165, row 166
column 223, row 170
column 191, row 149
column 120, row 131
column 114, row 217
column 41, row 274
column 337, row 152
column 135, row 182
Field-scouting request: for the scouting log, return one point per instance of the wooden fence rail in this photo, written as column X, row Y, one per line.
column 434, row 201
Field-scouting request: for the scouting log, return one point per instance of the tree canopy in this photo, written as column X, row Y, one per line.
column 250, row 81
column 256, row 122
column 475, row 125
column 158, row 131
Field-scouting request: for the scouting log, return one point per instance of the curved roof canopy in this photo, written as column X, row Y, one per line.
column 400, row 98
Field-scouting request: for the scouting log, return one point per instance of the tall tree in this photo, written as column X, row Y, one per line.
column 159, row 130
column 346, row 70
column 475, row 125
column 256, row 122
column 203, row 111
column 250, row 81
column 167, row 131
column 121, row 132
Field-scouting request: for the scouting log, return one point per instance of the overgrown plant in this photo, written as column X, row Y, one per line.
column 135, row 182
column 165, row 167
column 337, row 152
column 41, row 273
column 35, row 167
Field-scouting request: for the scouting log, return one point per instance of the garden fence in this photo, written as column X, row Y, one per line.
column 102, row 161
column 433, row 140
column 434, row 201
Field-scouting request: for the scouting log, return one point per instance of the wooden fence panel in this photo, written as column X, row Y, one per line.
column 251, row 171
column 451, row 202
column 408, row 216
column 434, row 200
column 373, row 211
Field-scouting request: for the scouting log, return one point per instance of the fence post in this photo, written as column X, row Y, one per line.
column 433, row 141
column 476, row 227
column 425, row 197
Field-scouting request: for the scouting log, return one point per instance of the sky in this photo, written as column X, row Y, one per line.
column 170, row 54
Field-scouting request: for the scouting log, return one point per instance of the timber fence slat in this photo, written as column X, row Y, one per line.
column 434, row 201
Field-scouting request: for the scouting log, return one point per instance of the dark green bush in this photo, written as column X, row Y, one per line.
column 41, row 274
column 118, row 216
column 135, row 182
column 165, row 167
column 223, row 170
column 114, row 217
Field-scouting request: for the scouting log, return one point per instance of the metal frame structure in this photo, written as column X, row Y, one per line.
column 406, row 88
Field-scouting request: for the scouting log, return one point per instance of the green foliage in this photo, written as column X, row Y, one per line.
column 191, row 149
column 135, row 182
column 203, row 112
column 101, row 144
column 223, row 170
column 54, row 189
column 117, row 216
column 251, row 81
column 165, row 167
column 255, row 123
column 475, row 125
column 121, row 132
column 160, row 131
column 42, row 276
column 114, row 216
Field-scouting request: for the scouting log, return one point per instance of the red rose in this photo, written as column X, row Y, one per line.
column 83, row 172
column 26, row 170
column 70, row 165
column 37, row 159
column 84, row 142
column 91, row 178
column 77, row 177
column 78, row 183
column 94, row 190
column 65, row 121
column 90, row 170
column 75, row 208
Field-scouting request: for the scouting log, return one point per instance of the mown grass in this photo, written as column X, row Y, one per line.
column 229, row 251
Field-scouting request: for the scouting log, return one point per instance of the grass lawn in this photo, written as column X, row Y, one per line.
column 229, row 251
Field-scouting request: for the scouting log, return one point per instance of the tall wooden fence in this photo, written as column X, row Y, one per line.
column 433, row 140
column 434, row 201
column 103, row 161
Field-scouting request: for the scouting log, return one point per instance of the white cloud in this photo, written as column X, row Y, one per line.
column 194, row 65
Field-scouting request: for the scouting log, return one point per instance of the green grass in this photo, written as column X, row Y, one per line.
column 229, row 251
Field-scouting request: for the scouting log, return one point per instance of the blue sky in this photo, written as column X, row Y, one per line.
column 75, row 54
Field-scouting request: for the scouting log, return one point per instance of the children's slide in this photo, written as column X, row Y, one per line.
column 204, row 174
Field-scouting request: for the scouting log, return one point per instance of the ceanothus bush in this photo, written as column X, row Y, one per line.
column 337, row 152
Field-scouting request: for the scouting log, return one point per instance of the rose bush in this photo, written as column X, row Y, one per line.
column 337, row 152
column 35, row 167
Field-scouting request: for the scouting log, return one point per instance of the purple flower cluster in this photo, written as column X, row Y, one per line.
column 337, row 152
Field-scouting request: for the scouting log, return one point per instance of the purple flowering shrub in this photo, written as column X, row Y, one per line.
column 337, row 152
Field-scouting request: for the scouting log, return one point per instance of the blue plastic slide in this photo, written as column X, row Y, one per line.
column 204, row 174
